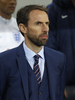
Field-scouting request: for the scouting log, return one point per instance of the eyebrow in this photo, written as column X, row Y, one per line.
column 41, row 22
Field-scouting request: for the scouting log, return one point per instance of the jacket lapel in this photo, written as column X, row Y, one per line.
column 22, row 63
column 51, row 74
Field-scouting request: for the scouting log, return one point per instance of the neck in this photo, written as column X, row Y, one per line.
column 6, row 16
column 73, row 1
column 33, row 47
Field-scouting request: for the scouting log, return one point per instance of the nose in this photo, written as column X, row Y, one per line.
column 13, row 2
column 45, row 28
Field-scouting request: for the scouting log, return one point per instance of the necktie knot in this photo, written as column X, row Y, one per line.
column 36, row 57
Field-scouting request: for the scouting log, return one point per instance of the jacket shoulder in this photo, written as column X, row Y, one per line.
column 54, row 53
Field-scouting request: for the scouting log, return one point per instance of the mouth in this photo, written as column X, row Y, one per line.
column 12, row 8
column 44, row 36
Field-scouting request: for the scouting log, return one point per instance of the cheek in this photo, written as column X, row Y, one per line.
column 33, row 31
column 3, row 5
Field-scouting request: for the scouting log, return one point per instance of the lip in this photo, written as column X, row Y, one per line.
column 44, row 36
column 12, row 8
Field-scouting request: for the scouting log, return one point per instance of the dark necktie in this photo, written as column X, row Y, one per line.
column 36, row 69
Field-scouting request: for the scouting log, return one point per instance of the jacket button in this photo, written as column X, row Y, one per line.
column 40, row 93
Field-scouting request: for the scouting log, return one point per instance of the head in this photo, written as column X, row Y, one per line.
column 33, row 22
column 7, row 7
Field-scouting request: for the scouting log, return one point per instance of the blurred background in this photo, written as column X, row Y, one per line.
column 21, row 3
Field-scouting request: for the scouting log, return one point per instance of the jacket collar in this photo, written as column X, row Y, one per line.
column 52, row 76
column 22, row 63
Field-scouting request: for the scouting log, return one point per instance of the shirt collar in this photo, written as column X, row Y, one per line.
column 5, row 20
column 30, row 54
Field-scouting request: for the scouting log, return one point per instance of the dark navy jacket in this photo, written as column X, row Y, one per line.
column 62, row 33
column 14, row 82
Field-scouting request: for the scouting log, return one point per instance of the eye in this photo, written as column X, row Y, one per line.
column 38, row 23
column 47, row 23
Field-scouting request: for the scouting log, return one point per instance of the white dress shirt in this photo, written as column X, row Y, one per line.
column 30, row 58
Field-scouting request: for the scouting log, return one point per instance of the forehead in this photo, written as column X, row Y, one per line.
column 38, row 15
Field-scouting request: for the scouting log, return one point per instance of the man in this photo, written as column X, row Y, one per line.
column 10, row 36
column 62, row 34
column 22, row 77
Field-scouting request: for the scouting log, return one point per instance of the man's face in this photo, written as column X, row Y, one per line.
column 7, row 6
column 38, row 27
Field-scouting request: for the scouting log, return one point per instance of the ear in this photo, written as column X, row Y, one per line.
column 23, row 28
